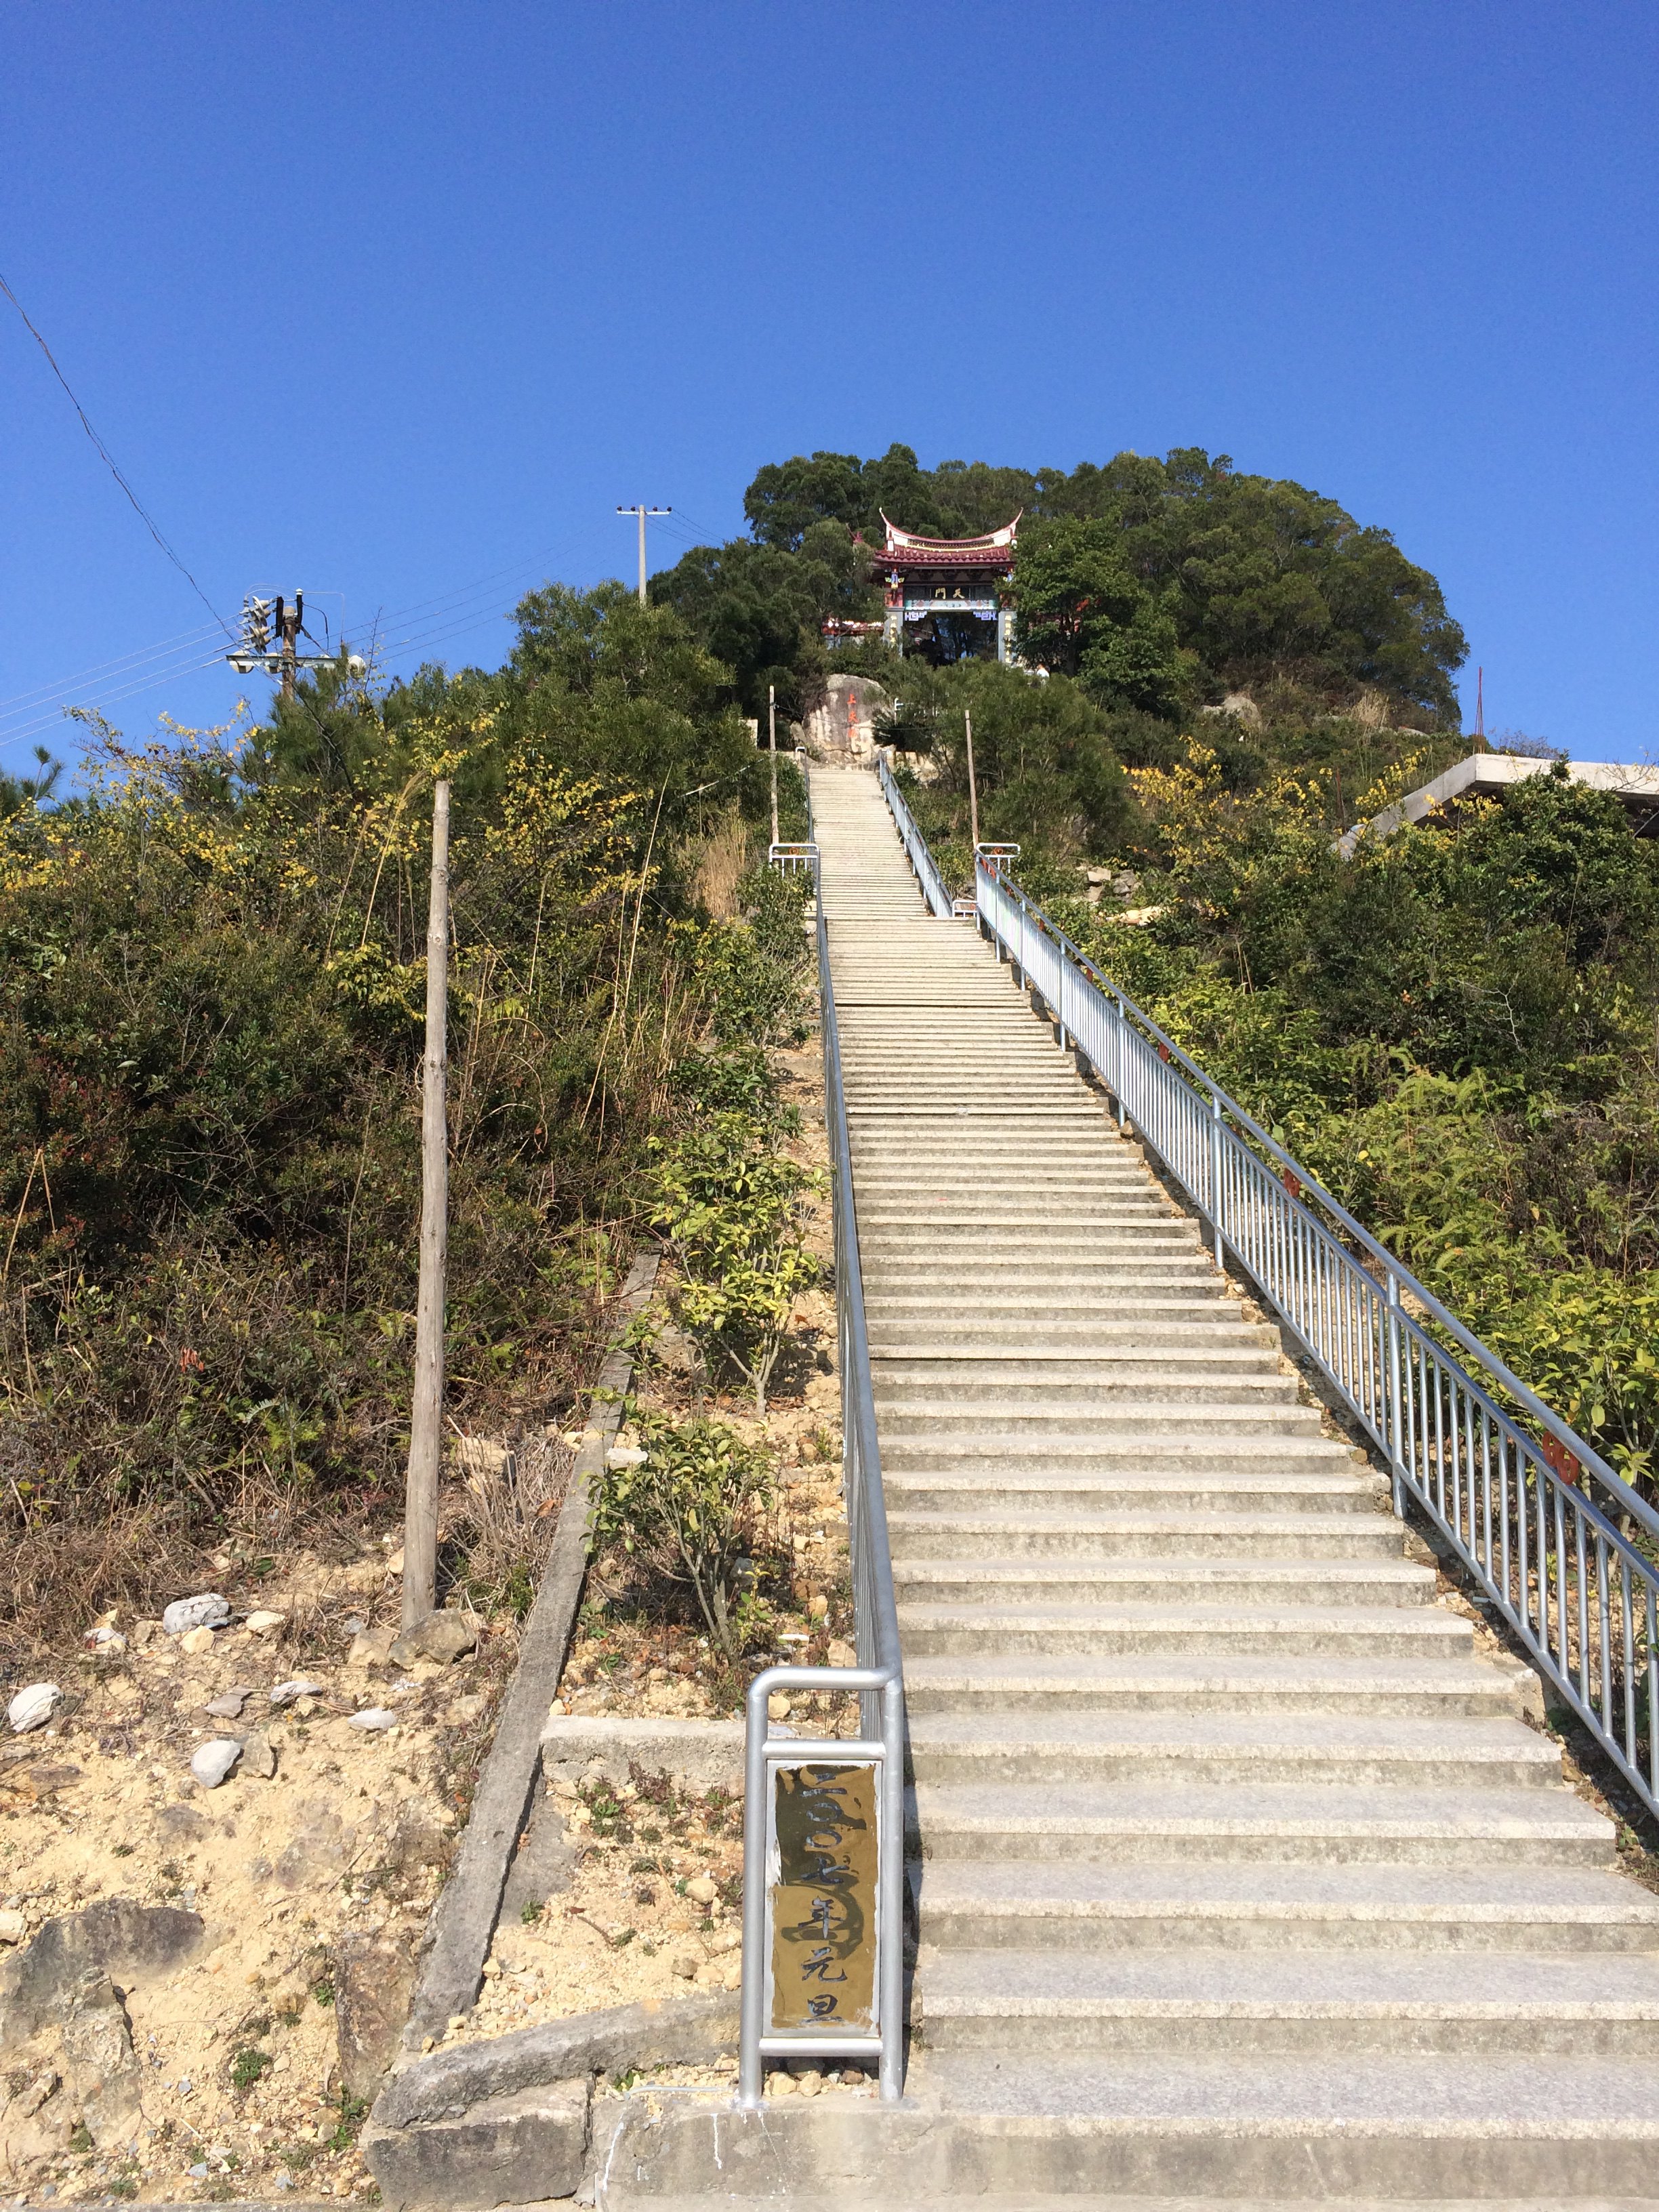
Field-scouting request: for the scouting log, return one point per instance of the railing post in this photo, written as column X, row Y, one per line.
column 1215, row 1180
column 891, row 1871
column 752, row 2067
column 1396, row 1458
column 1120, row 1056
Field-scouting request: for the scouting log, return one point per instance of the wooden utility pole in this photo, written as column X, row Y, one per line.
column 973, row 788
column 772, row 740
column 426, row 1434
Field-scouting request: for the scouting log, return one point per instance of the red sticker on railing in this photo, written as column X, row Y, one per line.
column 1558, row 1458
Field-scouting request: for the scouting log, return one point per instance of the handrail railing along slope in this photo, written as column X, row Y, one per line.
column 934, row 887
column 1565, row 1550
column 878, row 1679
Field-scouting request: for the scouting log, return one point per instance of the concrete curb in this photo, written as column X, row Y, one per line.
column 509, row 2121
column 701, row 1754
column 464, row 1920
column 690, row 2031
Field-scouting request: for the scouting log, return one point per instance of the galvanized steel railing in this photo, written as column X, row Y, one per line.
column 795, row 859
column 1566, row 1551
column 934, row 888
column 877, row 1680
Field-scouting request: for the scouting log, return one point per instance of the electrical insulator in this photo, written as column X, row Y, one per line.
column 256, row 624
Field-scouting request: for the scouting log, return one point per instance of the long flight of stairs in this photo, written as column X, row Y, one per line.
column 1238, row 1875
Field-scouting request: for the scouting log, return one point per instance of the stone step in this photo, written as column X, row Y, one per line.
column 1198, row 1682
column 1187, row 1383
column 1099, row 1421
column 1170, row 2133
column 1188, row 1627
column 965, row 1319
column 1102, row 1202
column 1264, row 1903
column 1340, row 1487
column 1150, row 1450
column 1090, row 1146
column 1315, row 2002
column 1146, row 1365
column 1003, row 1533
column 900, row 1340
column 1160, row 1578
column 1050, row 1234
column 1304, row 1822
column 923, row 1117
column 1019, row 1749
column 1030, row 1290
column 1107, row 1184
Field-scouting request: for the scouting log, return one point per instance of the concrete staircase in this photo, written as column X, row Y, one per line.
column 1238, row 1877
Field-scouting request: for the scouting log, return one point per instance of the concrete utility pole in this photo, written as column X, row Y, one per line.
column 288, row 619
column 426, row 1439
column 255, row 650
column 973, row 788
column 642, row 511
column 772, row 740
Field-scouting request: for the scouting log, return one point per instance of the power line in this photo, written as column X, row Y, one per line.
column 49, row 697
column 436, row 619
column 106, row 668
column 51, row 719
column 108, row 459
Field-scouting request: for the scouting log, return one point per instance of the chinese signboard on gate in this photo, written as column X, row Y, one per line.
column 824, row 1904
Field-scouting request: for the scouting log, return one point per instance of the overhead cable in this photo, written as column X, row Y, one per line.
column 143, row 511
column 106, row 670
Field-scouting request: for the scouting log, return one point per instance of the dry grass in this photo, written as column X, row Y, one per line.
column 723, row 862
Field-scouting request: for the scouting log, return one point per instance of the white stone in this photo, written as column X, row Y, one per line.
column 32, row 1708
column 213, row 1762
column 286, row 1692
column 374, row 1716
column 208, row 1610
column 625, row 1455
column 13, row 1927
column 266, row 1623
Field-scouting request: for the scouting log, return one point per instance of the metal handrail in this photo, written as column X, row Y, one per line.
column 1565, row 1568
column 878, row 1679
column 800, row 857
column 1564, row 1548
column 934, row 888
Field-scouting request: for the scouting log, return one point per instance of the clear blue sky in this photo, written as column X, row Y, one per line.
column 382, row 302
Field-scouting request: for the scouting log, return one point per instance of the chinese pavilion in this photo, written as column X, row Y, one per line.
column 946, row 597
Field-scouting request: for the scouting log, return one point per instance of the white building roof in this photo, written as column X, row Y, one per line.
column 1488, row 775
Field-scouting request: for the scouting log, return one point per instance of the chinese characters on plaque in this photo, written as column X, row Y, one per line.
column 823, row 1908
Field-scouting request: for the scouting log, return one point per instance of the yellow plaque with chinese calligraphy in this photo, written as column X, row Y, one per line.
column 824, row 1904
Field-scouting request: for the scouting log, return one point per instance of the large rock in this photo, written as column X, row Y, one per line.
column 844, row 726
column 102, row 2068
column 516, row 2149
column 442, row 1636
column 128, row 1942
column 372, row 1985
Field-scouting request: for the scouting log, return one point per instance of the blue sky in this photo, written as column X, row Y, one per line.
column 396, row 304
